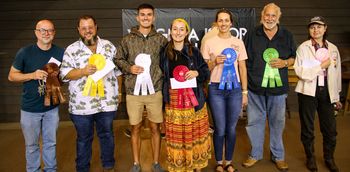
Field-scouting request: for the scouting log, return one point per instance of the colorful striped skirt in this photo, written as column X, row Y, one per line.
column 187, row 137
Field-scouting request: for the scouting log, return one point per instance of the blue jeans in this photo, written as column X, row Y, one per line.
column 84, row 125
column 260, row 107
column 225, row 106
column 32, row 124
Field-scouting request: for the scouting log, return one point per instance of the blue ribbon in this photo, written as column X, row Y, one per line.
column 229, row 75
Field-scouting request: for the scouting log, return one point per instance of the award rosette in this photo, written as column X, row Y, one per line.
column 143, row 80
column 53, row 86
column 322, row 54
column 271, row 75
column 91, row 87
column 186, row 97
column 228, row 75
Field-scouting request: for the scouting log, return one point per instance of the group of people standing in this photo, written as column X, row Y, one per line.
column 252, row 73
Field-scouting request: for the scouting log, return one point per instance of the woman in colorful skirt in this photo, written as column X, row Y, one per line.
column 187, row 138
column 225, row 55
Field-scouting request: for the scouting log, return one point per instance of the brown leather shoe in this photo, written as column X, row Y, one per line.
column 281, row 165
column 249, row 162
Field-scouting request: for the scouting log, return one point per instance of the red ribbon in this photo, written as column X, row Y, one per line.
column 185, row 97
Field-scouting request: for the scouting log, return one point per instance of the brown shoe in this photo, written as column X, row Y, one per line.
column 249, row 162
column 281, row 165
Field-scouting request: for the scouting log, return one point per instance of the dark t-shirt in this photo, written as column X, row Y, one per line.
column 29, row 59
column 176, row 62
column 256, row 42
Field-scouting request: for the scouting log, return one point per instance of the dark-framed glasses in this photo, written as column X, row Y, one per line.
column 43, row 31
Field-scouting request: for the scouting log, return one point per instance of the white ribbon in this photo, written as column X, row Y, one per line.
column 143, row 80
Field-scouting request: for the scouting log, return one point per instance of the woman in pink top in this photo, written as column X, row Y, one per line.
column 228, row 86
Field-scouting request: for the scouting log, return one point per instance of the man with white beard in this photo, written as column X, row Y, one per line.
column 91, row 103
column 271, row 49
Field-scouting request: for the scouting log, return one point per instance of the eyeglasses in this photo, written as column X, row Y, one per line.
column 43, row 31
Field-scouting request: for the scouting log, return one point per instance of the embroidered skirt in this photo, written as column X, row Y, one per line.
column 187, row 137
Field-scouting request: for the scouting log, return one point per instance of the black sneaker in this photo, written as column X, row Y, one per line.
column 127, row 132
column 157, row 168
column 162, row 135
column 135, row 168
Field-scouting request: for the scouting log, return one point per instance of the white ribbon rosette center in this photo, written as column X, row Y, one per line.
column 143, row 80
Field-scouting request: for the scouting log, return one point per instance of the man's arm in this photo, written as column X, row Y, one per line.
column 75, row 74
column 16, row 75
column 279, row 63
column 121, row 58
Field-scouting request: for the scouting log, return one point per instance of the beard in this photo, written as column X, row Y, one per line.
column 269, row 26
column 89, row 42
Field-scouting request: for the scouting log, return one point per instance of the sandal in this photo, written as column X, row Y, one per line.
column 227, row 167
column 219, row 168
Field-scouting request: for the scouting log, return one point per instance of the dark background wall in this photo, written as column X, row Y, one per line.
column 18, row 18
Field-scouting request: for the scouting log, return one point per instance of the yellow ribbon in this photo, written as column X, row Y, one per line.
column 91, row 86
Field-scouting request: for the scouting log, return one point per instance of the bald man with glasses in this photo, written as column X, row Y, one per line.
column 37, row 118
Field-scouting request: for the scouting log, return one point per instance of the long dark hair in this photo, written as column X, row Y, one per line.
column 170, row 47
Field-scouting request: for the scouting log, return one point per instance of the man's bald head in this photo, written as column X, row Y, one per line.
column 44, row 22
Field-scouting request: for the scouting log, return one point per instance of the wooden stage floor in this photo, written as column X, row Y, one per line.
column 12, row 148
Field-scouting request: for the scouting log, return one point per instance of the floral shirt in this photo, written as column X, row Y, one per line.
column 76, row 56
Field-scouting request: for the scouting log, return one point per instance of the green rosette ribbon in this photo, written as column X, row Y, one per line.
column 271, row 75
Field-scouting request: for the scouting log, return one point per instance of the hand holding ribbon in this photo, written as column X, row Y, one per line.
column 220, row 59
column 271, row 75
column 186, row 97
column 277, row 63
column 322, row 55
column 191, row 74
column 135, row 69
column 89, row 70
column 53, row 86
column 39, row 74
column 96, row 62
column 228, row 75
